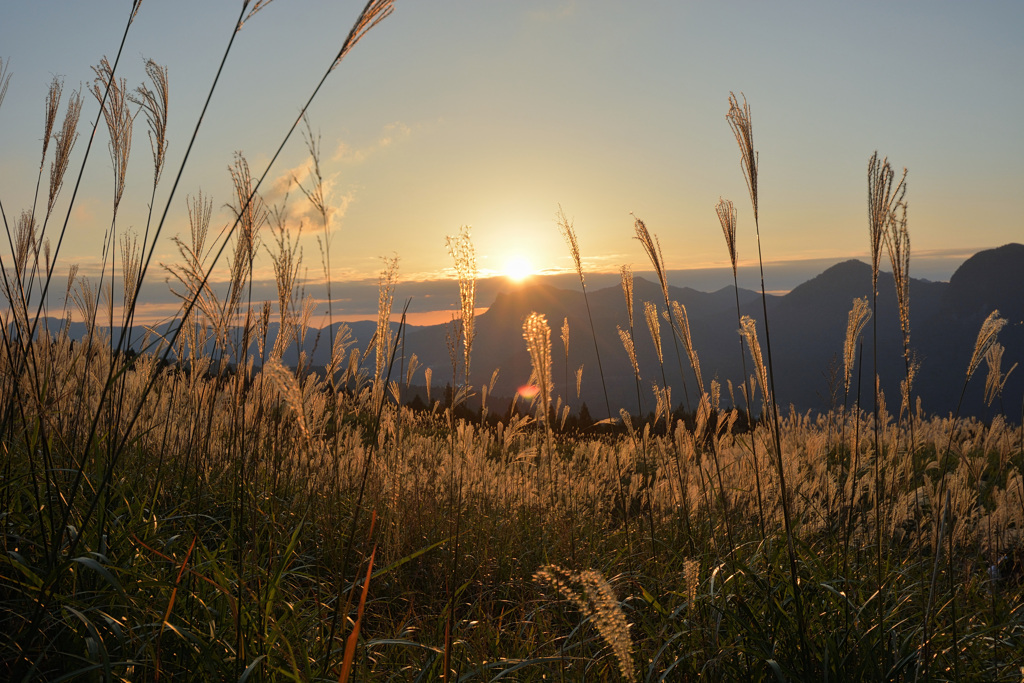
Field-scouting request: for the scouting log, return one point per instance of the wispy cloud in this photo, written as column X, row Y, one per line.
column 390, row 135
column 556, row 12
column 286, row 191
column 86, row 210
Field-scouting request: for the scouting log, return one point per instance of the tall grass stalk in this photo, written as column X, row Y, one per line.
column 742, row 128
column 726, row 211
column 372, row 14
column 652, row 247
column 565, row 226
column 208, row 508
column 461, row 249
column 883, row 200
column 641, row 445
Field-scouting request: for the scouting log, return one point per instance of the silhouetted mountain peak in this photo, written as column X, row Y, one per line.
column 993, row 278
column 834, row 289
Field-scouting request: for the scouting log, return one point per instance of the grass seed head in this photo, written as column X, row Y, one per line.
column 594, row 597
column 742, row 128
column 565, row 227
column 64, row 141
column 627, row 343
column 654, row 327
column 749, row 331
column 375, row 12
column 626, row 273
column 112, row 94
column 856, row 320
column 52, row 106
column 5, row 80
column 986, row 339
column 462, row 251
column 155, row 105
column 537, row 335
column 727, row 217
column 882, row 202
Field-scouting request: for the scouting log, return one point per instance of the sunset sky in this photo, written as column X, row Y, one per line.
column 492, row 114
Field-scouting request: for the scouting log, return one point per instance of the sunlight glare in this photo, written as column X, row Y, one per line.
column 518, row 268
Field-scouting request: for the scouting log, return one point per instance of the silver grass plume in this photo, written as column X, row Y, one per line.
column 682, row 321
column 251, row 215
column 537, row 335
column 52, row 106
column 897, row 242
column 652, row 247
column 626, row 273
column 986, row 339
column 461, row 249
column 627, row 343
column 594, row 597
column 882, row 200
column 663, row 403
column 691, row 577
column 385, row 298
column 654, row 326
column 414, row 365
column 256, row 7
column 727, row 217
column 119, row 120
column 373, row 13
column 24, row 242
column 739, row 121
column 287, row 386
column 64, row 141
column 995, row 382
column 856, row 320
column 565, row 227
column 131, row 264
column 5, row 79
column 749, row 331
column 155, row 105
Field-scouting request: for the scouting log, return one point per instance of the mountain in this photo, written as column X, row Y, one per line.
column 990, row 280
column 808, row 327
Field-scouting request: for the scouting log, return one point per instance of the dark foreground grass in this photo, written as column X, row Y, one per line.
column 226, row 574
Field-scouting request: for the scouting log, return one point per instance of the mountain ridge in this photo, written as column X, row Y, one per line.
column 808, row 327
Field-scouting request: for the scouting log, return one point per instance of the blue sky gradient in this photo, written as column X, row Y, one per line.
column 493, row 114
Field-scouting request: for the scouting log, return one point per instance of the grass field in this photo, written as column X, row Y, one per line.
column 197, row 511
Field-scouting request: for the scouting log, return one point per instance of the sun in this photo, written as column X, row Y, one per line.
column 518, row 268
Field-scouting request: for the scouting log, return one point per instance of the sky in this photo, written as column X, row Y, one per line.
column 493, row 115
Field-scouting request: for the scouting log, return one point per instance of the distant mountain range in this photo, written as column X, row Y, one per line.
column 808, row 326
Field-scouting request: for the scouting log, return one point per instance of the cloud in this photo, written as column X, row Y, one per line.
column 390, row 135
column 86, row 210
column 289, row 190
column 562, row 10
column 393, row 132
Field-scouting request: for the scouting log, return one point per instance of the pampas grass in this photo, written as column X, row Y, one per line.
column 565, row 227
column 198, row 510
column 594, row 598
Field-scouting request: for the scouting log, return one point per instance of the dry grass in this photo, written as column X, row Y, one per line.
column 200, row 511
